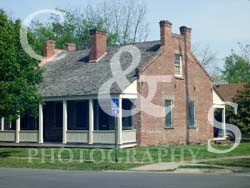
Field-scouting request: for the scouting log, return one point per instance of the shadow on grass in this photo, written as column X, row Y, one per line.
column 7, row 154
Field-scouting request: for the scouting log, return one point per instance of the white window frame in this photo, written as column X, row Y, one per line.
column 180, row 66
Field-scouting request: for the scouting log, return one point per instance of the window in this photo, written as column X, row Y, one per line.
column 29, row 122
column 58, row 114
column 82, row 115
column 168, row 113
column 178, row 65
column 78, row 115
column 102, row 120
column 191, row 111
column 127, row 106
column 9, row 125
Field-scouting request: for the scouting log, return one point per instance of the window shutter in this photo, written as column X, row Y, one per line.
column 168, row 115
column 191, row 113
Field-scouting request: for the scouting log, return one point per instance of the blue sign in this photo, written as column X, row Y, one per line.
column 115, row 112
column 115, row 106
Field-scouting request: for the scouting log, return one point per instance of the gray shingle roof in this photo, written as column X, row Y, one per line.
column 74, row 76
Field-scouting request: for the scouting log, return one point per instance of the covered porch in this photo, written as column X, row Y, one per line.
column 72, row 122
column 219, row 107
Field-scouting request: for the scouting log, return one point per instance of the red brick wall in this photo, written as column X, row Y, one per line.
column 98, row 44
column 200, row 90
column 151, row 130
column 49, row 48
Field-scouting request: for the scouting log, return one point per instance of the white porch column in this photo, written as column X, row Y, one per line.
column 65, row 121
column 119, row 139
column 224, row 122
column 18, row 130
column 2, row 124
column 97, row 115
column 91, row 120
column 40, row 139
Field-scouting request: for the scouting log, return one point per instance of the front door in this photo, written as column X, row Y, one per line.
column 53, row 122
column 218, row 118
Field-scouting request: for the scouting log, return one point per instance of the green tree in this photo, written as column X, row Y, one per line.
column 237, row 66
column 74, row 29
column 242, row 119
column 124, row 22
column 19, row 73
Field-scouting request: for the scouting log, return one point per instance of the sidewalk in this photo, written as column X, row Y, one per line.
column 172, row 166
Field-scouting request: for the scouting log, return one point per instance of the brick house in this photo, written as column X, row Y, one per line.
column 71, row 114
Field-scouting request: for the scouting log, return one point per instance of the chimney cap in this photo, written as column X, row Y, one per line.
column 94, row 31
column 50, row 41
column 165, row 22
column 70, row 46
column 185, row 29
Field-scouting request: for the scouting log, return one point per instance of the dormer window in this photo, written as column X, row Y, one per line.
column 178, row 65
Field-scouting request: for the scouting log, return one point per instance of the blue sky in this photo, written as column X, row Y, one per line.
column 217, row 23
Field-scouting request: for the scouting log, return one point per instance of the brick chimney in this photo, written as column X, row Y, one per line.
column 70, row 47
column 98, row 45
column 186, row 33
column 166, row 31
column 49, row 48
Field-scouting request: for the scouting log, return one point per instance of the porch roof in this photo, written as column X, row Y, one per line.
column 228, row 91
column 72, row 75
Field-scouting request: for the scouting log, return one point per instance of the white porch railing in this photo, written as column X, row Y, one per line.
column 108, row 137
column 7, row 136
column 129, row 136
column 77, row 136
column 73, row 136
column 28, row 135
column 104, row 137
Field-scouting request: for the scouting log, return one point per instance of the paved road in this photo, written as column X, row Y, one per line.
column 30, row 178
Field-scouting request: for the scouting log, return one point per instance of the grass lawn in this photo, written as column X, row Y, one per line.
column 244, row 162
column 103, row 159
column 73, row 165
